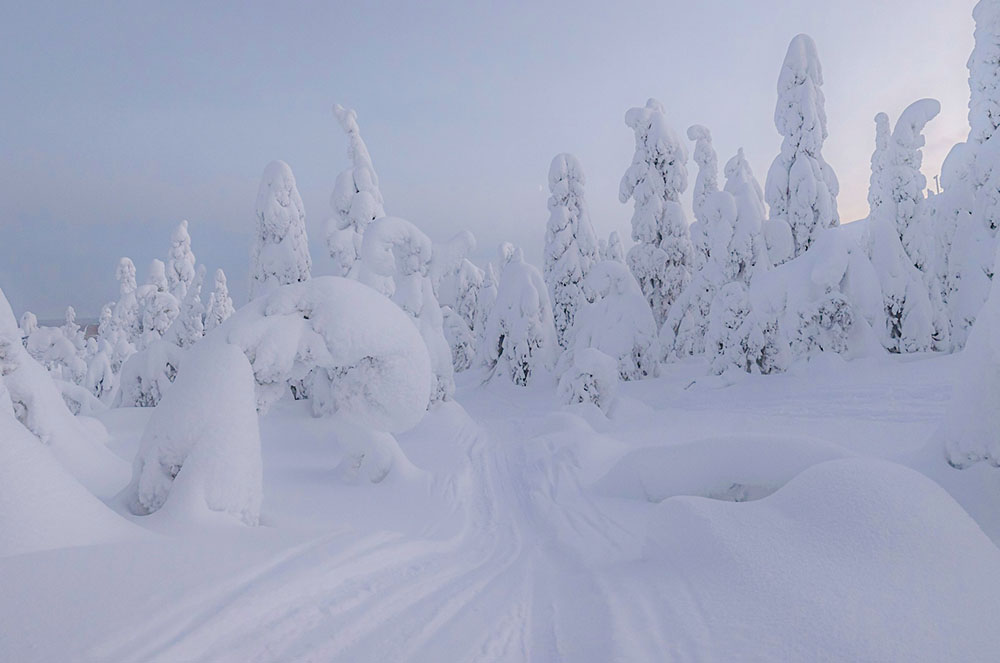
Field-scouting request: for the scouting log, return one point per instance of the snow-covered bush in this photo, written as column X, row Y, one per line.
column 362, row 357
column 50, row 347
column 662, row 258
column 280, row 253
column 146, row 375
column 201, row 447
column 801, row 188
column 180, row 262
column 617, row 321
column 220, row 304
column 591, row 378
column 460, row 339
column 356, row 199
column 823, row 325
column 396, row 260
column 519, row 335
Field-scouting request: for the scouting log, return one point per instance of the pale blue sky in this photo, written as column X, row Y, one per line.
column 120, row 119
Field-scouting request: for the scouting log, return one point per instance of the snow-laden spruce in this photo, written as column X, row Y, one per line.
column 360, row 355
column 571, row 246
column 737, row 339
column 280, row 253
column 662, row 258
column 908, row 316
column 189, row 325
column 147, row 375
column 220, row 304
column 460, row 337
column 396, row 260
column 591, row 378
column 616, row 320
column 356, row 199
column 801, row 188
column 180, row 262
column 486, row 297
column 705, row 184
column 200, row 449
column 612, row 249
column 127, row 316
column 984, row 74
column 519, row 336
column 748, row 254
column 158, row 307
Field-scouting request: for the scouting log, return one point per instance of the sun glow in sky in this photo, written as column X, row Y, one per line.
column 119, row 121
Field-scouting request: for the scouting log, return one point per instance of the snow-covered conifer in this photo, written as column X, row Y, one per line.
column 189, row 325
column 984, row 74
column 748, row 254
column 127, row 313
column 460, row 337
column 100, row 380
column 356, row 199
column 180, row 262
column 485, row 299
column 280, row 253
column 738, row 339
column 613, row 248
column 519, row 338
column 591, row 378
column 566, row 186
column 29, row 323
column 72, row 331
column 662, row 258
column 801, row 188
column 159, row 307
column 705, row 184
column 220, row 304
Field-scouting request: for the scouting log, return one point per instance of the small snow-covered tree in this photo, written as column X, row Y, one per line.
column 189, row 325
column 71, row 330
column 280, row 253
column 460, row 337
column 485, row 299
column 397, row 257
column 748, row 254
column 356, row 198
column 801, row 188
column 738, row 339
column 158, row 306
column 591, row 378
column 100, row 380
column 127, row 313
column 705, row 184
column 566, row 186
column 147, row 375
column 823, row 325
column 29, row 323
column 220, row 304
column 662, row 258
column 180, row 262
column 616, row 320
column 613, row 248
column 519, row 339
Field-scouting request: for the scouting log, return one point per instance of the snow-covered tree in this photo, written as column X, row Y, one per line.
column 570, row 243
column 189, row 325
column 984, row 74
column 801, row 188
column 613, row 248
column 591, row 378
column 356, row 198
column 485, row 299
column 519, row 338
column 147, row 375
column 158, row 306
column 737, row 339
column 180, row 262
column 72, row 331
column 662, row 258
column 50, row 347
column 460, row 337
column 29, row 323
column 396, row 260
column 823, row 325
column 705, row 184
column 100, row 380
column 747, row 254
column 616, row 320
column 280, row 253
column 220, row 304
column 127, row 313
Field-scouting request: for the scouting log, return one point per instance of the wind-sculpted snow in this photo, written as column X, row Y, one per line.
column 201, row 447
column 358, row 353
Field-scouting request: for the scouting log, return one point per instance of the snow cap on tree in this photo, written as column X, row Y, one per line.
column 280, row 253
column 801, row 188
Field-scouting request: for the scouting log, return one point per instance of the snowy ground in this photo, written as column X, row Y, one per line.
column 533, row 531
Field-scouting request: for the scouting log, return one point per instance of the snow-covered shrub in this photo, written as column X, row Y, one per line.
column 460, row 339
column 823, row 325
column 617, row 321
column 519, row 335
column 356, row 199
column 591, row 378
column 662, row 258
column 201, row 447
column 220, row 304
column 180, row 262
column 146, row 375
column 801, row 188
column 280, row 253
column 361, row 355
column 396, row 260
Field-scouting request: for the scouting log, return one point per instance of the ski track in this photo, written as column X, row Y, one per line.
column 512, row 585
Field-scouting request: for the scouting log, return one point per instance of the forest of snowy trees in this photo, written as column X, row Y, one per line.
column 762, row 277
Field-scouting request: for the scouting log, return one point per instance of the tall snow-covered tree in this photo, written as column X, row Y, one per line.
column 127, row 314
column 748, row 254
column 220, row 304
column 984, row 73
column 486, row 297
column 189, row 325
column 571, row 246
column 280, row 253
column 180, row 262
column 519, row 339
column 662, row 258
column 801, row 188
column 705, row 184
column 356, row 199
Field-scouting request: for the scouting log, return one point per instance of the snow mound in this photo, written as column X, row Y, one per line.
column 358, row 354
column 201, row 447
column 853, row 560
column 727, row 468
column 41, row 506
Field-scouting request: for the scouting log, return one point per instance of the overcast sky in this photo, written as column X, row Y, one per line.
column 121, row 119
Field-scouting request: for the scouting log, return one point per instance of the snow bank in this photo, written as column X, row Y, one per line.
column 858, row 560
column 201, row 447
column 41, row 506
column 735, row 468
column 360, row 354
